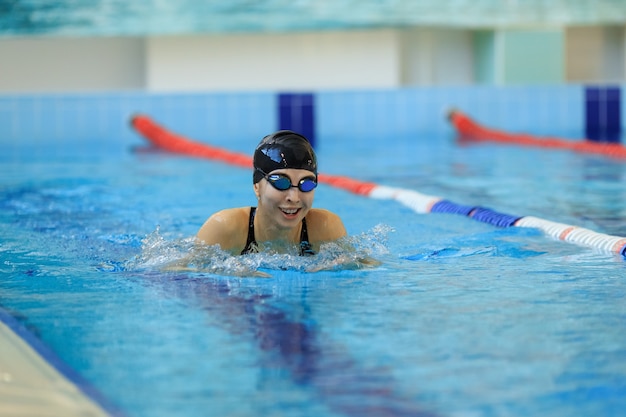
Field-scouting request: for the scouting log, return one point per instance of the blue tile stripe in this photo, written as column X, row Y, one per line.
column 603, row 114
column 53, row 360
column 296, row 111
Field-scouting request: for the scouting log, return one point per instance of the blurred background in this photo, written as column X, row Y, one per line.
column 200, row 45
column 118, row 47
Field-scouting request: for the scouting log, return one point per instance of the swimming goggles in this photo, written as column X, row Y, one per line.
column 283, row 183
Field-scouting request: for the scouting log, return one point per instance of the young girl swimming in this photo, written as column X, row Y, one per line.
column 284, row 182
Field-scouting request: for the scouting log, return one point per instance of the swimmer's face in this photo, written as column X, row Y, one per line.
column 290, row 206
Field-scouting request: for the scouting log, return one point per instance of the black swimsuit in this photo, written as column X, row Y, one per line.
column 251, row 246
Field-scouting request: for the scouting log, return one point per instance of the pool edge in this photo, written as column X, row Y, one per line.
column 35, row 381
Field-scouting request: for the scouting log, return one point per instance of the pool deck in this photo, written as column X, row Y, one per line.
column 31, row 386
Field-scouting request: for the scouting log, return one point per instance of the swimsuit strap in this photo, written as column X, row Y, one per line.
column 305, row 247
column 251, row 240
column 251, row 246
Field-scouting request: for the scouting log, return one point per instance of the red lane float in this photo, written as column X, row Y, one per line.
column 469, row 129
column 171, row 142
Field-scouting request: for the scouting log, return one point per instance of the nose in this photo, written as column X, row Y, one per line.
column 293, row 194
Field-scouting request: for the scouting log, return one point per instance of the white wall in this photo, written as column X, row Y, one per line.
column 71, row 64
column 384, row 58
column 433, row 56
column 294, row 61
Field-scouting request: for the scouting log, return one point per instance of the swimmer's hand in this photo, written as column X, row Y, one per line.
column 342, row 255
column 214, row 261
column 185, row 267
column 345, row 262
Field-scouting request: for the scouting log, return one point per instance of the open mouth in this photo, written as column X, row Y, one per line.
column 290, row 212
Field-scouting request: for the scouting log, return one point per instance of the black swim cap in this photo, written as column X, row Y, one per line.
column 281, row 150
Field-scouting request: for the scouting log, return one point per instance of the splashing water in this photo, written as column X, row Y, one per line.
column 184, row 254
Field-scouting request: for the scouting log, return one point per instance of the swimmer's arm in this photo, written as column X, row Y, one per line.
column 213, row 232
column 223, row 229
column 326, row 226
column 209, row 234
column 336, row 227
column 332, row 229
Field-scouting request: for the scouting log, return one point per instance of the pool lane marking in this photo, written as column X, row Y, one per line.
column 35, row 381
column 420, row 203
column 469, row 130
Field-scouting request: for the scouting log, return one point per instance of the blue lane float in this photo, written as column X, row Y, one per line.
column 422, row 203
column 492, row 217
column 480, row 214
column 446, row 206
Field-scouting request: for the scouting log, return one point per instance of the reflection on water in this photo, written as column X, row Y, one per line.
column 292, row 343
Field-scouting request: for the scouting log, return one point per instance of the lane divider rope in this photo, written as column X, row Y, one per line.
column 162, row 138
column 470, row 130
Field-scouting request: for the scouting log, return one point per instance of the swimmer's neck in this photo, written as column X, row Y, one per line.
column 270, row 232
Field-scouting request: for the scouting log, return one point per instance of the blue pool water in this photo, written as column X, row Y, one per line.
column 460, row 319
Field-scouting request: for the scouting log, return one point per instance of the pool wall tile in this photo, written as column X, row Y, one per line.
column 232, row 119
column 603, row 114
column 538, row 110
column 296, row 111
column 613, row 114
column 104, row 118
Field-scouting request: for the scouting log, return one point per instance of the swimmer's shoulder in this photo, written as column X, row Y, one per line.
column 324, row 225
column 231, row 216
column 228, row 228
